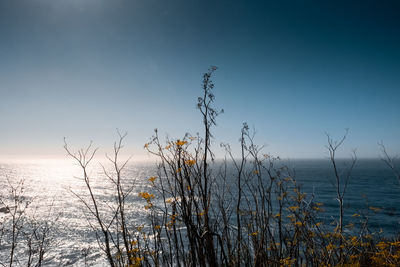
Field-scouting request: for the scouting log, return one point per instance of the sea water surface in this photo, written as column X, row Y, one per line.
column 50, row 187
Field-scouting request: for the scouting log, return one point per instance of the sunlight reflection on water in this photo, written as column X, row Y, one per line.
column 50, row 185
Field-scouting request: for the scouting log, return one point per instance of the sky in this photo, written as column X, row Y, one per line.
column 293, row 70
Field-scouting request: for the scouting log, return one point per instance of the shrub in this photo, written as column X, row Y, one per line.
column 246, row 210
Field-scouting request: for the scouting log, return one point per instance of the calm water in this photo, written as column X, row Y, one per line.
column 50, row 184
column 372, row 184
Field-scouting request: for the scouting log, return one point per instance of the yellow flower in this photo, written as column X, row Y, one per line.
column 256, row 172
column 157, row 227
column 298, row 223
column 293, row 208
column 190, row 162
column 146, row 195
column 330, row 246
column 152, row 179
column 354, row 241
column 136, row 261
column 382, row 245
column 179, row 170
column 287, row 261
column 396, row 243
column 316, row 208
column 168, row 147
column 135, row 250
column 180, row 143
column 254, row 234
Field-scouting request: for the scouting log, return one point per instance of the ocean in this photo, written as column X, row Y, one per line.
column 50, row 188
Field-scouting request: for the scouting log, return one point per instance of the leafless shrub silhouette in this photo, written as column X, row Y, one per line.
column 21, row 229
column 247, row 210
column 389, row 160
column 115, row 235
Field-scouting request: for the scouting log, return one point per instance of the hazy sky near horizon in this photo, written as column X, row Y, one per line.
column 293, row 70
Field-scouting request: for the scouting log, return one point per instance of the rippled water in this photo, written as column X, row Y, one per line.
column 49, row 187
column 49, row 184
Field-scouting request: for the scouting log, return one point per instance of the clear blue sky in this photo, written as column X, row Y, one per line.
column 292, row 69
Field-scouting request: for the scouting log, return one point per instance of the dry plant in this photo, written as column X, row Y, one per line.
column 25, row 237
column 389, row 160
column 246, row 210
column 342, row 178
column 115, row 235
